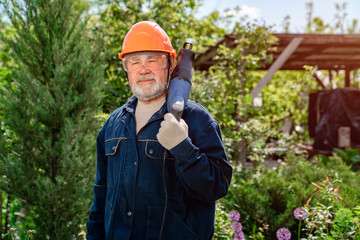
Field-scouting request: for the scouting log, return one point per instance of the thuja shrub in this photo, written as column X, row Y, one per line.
column 49, row 106
column 268, row 197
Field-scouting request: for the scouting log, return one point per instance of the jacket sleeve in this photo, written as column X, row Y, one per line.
column 201, row 163
column 95, row 225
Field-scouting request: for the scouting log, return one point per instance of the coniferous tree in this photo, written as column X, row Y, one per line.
column 50, row 106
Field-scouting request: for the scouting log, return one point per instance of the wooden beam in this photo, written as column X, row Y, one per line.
column 205, row 60
column 276, row 65
column 320, row 66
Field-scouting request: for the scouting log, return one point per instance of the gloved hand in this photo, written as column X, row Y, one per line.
column 172, row 132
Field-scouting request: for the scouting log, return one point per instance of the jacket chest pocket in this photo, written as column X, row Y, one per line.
column 150, row 177
column 115, row 149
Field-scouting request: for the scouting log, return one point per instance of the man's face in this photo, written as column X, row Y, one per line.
column 147, row 73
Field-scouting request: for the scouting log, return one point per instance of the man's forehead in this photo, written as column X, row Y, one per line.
column 147, row 53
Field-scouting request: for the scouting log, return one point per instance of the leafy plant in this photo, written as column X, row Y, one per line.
column 222, row 224
column 13, row 234
column 320, row 218
column 345, row 224
column 17, row 217
column 350, row 157
column 329, row 218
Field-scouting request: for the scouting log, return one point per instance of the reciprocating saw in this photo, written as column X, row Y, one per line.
column 180, row 83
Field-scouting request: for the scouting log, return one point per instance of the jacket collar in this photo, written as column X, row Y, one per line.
column 130, row 105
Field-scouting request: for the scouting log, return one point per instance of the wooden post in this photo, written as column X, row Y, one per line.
column 347, row 77
column 330, row 78
column 276, row 65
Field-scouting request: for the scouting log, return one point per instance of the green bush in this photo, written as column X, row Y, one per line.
column 344, row 224
column 350, row 157
column 330, row 219
column 266, row 197
column 47, row 112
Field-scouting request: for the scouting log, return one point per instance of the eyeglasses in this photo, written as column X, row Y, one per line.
column 151, row 60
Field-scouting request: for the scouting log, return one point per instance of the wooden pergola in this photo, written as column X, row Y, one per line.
column 332, row 52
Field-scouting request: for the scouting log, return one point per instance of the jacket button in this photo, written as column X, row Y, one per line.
column 129, row 213
column 151, row 151
column 135, row 163
column 124, row 117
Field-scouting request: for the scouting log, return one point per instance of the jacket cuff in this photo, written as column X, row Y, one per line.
column 183, row 150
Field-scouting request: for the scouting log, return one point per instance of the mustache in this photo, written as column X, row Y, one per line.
column 146, row 76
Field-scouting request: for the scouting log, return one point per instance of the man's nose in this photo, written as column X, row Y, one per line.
column 144, row 69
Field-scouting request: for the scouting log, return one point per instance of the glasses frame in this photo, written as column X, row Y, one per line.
column 145, row 55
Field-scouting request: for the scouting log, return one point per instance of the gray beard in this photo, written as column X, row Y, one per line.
column 147, row 95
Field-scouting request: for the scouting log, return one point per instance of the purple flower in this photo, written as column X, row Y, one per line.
column 300, row 213
column 236, row 227
column 239, row 236
column 283, row 234
column 234, row 215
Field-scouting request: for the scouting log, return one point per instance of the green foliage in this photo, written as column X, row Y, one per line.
column 350, row 157
column 266, row 197
column 6, row 63
column 222, row 224
column 320, row 217
column 295, row 86
column 342, row 24
column 224, row 90
column 16, row 217
column 346, row 224
column 330, row 218
column 48, row 109
column 14, row 234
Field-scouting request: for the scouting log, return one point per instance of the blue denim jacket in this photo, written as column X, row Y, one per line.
column 129, row 196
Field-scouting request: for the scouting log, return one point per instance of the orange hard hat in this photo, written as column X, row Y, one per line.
column 146, row 36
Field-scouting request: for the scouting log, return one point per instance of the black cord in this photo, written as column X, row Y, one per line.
column 163, row 170
column 166, row 196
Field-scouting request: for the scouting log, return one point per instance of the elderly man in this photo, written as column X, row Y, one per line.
column 135, row 180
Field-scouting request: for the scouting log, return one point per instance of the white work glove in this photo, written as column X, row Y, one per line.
column 172, row 132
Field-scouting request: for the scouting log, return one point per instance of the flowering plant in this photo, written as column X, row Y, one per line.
column 300, row 214
column 283, row 234
column 330, row 221
column 236, row 226
column 325, row 221
column 14, row 230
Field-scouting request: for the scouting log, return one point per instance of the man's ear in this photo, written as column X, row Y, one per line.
column 172, row 63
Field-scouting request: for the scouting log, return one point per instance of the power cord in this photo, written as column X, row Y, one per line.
column 166, row 196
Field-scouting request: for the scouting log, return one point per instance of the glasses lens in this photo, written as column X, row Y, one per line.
column 152, row 61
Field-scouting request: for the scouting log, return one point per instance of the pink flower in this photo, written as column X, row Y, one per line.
column 236, row 227
column 300, row 213
column 234, row 216
column 283, row 234
column 239, row 236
